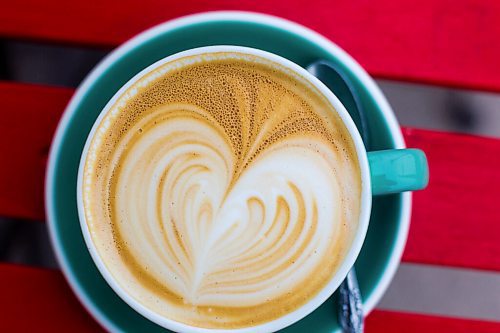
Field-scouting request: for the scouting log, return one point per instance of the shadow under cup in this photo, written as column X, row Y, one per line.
column 389, row 217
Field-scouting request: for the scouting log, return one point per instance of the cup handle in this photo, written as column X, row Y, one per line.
column 398, row 170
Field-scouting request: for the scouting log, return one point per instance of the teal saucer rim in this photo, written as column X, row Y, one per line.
column 272, row 21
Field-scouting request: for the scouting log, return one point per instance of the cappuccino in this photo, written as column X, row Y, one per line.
column 222, row 190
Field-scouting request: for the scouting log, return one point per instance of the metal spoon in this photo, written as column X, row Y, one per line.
column 350, row 308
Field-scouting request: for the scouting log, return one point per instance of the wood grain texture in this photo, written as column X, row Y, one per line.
column 43, row 298
column 396, row 322
column 39, row 300
column 454, row 222
column 445, row 42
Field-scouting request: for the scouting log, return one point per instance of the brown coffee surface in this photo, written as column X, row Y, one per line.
column 222, row 191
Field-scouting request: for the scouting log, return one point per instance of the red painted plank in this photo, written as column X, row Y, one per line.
column 437, row 41
column 456, row 219
column 396, row 322
column 39, row 300
column 29, row 116
column 43, row 297
column 454, row 223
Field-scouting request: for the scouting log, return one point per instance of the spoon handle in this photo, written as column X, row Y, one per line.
column 351, row 306
column 335, row 78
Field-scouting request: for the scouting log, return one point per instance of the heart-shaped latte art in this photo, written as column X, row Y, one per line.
column 227, row 212
column 215, row 235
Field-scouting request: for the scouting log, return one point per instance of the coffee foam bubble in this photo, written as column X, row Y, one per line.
column 222, row 191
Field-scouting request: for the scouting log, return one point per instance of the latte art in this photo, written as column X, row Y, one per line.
column 222, row 192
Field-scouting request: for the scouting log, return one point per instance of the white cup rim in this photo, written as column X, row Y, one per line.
column 348, row 260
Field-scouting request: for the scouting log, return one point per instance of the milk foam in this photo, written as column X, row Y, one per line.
column 222, row 193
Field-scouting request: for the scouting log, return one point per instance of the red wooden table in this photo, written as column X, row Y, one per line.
column 455, row 222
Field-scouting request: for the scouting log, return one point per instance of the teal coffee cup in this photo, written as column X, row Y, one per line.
column 386, row 171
